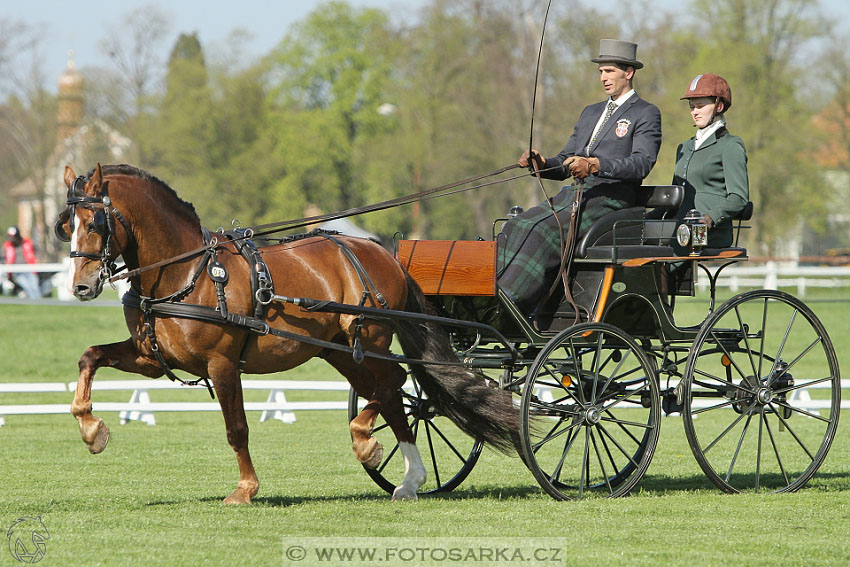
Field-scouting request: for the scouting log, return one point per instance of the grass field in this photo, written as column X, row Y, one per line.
column 154, row 496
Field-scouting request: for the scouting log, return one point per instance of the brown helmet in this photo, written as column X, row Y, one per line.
column 710, row 85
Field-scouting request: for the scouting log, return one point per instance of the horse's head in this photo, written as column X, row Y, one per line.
column 88, row 223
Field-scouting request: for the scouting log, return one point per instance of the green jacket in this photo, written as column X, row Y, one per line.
column 715, row 180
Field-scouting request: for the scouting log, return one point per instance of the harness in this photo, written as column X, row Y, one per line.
column 262, row 291
column 104, row 224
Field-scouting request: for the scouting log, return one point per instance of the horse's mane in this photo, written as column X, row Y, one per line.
column 125, row 169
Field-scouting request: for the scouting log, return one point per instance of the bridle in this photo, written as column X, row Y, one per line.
column 103, row 224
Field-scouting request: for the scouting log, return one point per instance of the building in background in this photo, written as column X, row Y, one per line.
column 38, row 203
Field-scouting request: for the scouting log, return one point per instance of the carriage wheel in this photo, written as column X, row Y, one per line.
column 591, row 413
column 763, row 393
column 448, row 454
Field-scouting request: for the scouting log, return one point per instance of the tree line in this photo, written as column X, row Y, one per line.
column 355, row 107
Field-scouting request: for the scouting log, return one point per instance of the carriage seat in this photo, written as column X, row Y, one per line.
column 636, row 237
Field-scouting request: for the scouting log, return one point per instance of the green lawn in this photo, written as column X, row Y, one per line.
column 153, row 497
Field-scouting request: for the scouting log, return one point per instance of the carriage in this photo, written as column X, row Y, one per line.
column 756, row 382
column 578, row 390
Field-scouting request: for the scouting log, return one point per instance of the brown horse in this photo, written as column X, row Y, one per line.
column 145, row 222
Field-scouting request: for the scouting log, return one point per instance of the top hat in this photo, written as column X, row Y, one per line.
column 616, row 51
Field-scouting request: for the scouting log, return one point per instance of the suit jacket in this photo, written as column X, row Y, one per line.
column 715, row 180
column 627, row 146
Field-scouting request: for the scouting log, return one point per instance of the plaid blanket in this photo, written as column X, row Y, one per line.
column 529, row 246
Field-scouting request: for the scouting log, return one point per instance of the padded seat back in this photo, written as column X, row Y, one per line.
column 628, row 224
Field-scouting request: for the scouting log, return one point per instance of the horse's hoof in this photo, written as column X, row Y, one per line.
column 403, row 492
column 237, row 498
column 101, row 438
column 376, row 458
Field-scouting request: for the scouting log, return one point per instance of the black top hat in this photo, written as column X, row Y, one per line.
column 616, row 51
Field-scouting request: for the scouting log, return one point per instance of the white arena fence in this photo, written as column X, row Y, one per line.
column 141, row 408
column 770, row 274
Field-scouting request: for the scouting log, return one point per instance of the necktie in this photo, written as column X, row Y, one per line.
column 608, row 112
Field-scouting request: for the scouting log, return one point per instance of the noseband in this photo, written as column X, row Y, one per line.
column 104, row 224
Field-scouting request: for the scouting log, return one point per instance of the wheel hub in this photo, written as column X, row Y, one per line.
column 592, row 416
column 764, row 396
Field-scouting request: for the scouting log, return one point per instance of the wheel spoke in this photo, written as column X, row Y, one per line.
column 738, row 448
column 729, row 355
column 729, row 428
column 784, row 340
column 791, row 431
column 758, row 453
column 618, row 446
column 583, row 463
column 601, row 464
column 746, row 340
column 548, row 438
column 448, row 443
column 796, row 360
column 622, row 426
column 718, row 406
column 802, row 411
column 776, row 450
column 433, row 456
column 801, row 385
column 568, row 444
column 388, row 459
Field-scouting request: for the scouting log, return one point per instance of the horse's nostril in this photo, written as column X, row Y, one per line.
column 81, row 289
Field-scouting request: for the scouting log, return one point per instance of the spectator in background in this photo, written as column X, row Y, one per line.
column 20, row 250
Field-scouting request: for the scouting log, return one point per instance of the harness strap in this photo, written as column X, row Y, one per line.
column 365, row 280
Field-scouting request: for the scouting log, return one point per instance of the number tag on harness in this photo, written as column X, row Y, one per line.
column 217, row 272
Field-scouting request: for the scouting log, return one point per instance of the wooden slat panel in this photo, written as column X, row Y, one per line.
column 451, row 267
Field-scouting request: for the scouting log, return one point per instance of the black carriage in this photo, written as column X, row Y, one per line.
column 756, row 382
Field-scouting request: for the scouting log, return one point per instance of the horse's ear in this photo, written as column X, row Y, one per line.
column 70, row 176
column 97, row 178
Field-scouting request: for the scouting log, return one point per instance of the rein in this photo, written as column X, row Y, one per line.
column 271, row 228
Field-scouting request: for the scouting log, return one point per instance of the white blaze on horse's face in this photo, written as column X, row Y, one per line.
column 72, row 269
column 84, row 277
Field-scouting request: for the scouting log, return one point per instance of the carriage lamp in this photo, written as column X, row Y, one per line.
column 515, row 211
column 692, row 233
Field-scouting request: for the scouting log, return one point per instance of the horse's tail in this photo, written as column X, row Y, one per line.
column 479, row 410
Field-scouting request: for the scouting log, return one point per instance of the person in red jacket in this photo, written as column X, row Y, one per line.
column 20, row 250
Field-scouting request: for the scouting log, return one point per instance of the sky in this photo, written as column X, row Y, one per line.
column 81, row 25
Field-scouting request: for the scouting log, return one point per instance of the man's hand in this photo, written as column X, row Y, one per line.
column 524, row 160
column 581, row 167
column 708, row 221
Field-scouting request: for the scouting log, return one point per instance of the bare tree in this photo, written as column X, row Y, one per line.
column 136, row 48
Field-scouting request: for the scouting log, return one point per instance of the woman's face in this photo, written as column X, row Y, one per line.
column 702, row 110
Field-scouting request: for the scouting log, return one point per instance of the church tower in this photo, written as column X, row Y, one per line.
column 69, row 113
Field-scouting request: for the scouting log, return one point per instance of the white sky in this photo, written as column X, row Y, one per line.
column 81, row 25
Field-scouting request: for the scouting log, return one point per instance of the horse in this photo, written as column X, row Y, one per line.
column 120, row 210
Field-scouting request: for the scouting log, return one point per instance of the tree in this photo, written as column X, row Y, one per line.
column 769, row 112
column 27, row 123
column 328, row 78
column 133, row 46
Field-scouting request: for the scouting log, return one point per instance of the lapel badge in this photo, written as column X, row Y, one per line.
column 622, row 127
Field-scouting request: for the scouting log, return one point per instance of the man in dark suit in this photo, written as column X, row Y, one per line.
column 613, row 147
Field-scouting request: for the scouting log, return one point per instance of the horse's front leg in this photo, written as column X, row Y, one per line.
column 121, row 355
column 228, row 387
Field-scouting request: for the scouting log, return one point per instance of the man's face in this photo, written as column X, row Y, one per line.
column 615, row 81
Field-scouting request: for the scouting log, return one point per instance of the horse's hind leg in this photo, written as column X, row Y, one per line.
column 122, row 356
column 379, row 381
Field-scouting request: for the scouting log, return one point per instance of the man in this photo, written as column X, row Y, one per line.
column 20, row 250
column 613, row 147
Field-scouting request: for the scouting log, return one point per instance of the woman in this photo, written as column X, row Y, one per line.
column 713, row 164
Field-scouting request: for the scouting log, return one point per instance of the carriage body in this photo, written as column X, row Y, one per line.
column 595, row 375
